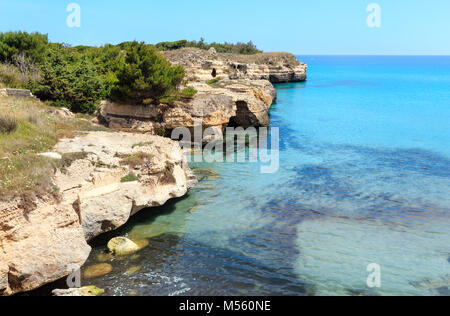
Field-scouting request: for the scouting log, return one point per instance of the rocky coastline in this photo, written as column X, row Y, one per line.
column 109, row 176
column 231, row 89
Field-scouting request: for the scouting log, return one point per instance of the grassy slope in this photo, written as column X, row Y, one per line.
column 21, row 170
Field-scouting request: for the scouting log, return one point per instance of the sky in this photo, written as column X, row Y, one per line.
column 304, row 27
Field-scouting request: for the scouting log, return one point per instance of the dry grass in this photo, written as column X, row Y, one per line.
column 12, row 77
column 8, row 124
column 143, row 144
column 167, row 177
column 21, row 170
column 136, row 160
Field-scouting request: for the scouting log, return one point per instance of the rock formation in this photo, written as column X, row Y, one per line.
column 231, row 90
column 104, row 178
column 97, row 194
column 203, row 65
column 18, row 93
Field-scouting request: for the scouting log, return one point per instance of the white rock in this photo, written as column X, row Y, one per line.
column 55, row 156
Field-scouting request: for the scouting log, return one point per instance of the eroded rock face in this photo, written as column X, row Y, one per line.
column 95, row 185
column 43, row 245
column 214, row 105
column 232, row 90
column 38, row 247
column 201, row 65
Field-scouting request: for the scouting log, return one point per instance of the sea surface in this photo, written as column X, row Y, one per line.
column 364, row 179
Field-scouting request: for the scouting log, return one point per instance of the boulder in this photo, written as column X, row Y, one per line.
column 121, row 246
column 38, row 247
column 97, row 270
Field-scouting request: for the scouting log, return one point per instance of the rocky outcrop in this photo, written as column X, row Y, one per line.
column 231, row 89
column 97, row 185
column 104, row 179
column 203, row 65
column 38, row 247
column 18, row 93
column 225, row 102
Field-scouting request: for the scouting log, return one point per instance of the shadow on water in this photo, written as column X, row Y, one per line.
column 147, row 216
column 178, row 265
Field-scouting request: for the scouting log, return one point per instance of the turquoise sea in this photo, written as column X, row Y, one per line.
column 364, row 178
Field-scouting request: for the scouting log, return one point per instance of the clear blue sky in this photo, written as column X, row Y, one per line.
column 298, row 26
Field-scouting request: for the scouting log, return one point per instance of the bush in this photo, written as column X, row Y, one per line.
column 33, row 46
column 79, row 77
column 238, row 48
column 11, row 77
column 130, row 178
column 8, row 125
column 189, row 92
column 70, row 80
column 214, row 81
column 145, row 75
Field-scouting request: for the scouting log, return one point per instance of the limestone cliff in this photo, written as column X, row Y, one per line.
column 231, row 90
column 203, row 65
column 105, row 179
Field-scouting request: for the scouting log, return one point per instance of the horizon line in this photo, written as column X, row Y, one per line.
column 376, row 55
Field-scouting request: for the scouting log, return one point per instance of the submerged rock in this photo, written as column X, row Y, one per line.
column 141, row 243
column 121, row 246
column 84, row 291
column 133, row 270
column 104, row 257
column 97, row 270
column 431, row 284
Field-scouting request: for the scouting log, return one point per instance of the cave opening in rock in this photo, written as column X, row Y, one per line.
column 244, row 117
column 214, row 73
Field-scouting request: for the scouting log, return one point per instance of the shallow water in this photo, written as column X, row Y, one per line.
column 364, row 178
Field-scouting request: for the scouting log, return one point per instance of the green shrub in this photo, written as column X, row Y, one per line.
column 213, row 81
column 145, row 75
column 130, row 178
column 33, row 46
column 238, row 48
column 165, row 46
column 8, row 125
column 79, row 77
column 189, row 92
column 70, row 80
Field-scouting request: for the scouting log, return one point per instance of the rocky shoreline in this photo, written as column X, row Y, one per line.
column 109, row 176
column 231, row 90
column 95, row 196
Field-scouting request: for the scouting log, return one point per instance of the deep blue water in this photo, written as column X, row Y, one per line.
column 364, row 178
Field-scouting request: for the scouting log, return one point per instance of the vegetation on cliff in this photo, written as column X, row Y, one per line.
column 79, row 77
column 27, row 128
column 239, row 48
